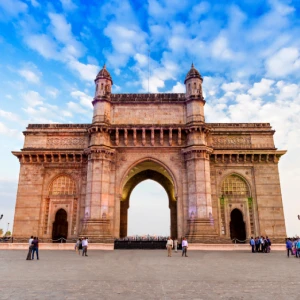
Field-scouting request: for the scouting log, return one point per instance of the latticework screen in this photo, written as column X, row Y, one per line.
column 235, row 186
column 63, row 185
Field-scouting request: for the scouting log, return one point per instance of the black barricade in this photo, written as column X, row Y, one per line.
column 141, row 245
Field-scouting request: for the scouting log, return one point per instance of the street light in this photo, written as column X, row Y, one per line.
column 298, row 217
column 1, row 216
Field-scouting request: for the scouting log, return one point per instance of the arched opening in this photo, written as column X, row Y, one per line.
column 237, row 226
column 139, row 173
column 148, row 212
column 60, row 225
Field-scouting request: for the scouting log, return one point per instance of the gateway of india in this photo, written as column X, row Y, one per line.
column 221, row 179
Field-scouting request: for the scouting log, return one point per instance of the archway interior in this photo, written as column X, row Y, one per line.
column 143, row 171
column 60, row 225
column 148, row 212
column 237, row 226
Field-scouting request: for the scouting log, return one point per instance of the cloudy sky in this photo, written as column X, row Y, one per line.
column 247, row 51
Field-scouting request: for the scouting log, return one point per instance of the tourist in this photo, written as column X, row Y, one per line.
column 35, row 248
column 30, row 248
column 267, row 245
column 298, row 248
column 169, row 246
column 289, row 246
column 262, row 244
column 252, row 244
column 257, row 244
column 184, row 246
column 175, row 244
column 84, row 246
column 79, row 247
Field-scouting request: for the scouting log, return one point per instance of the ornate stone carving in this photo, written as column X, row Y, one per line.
column 228, row 141
column 66, row 142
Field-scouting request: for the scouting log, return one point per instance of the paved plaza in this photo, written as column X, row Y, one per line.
column 148, row 274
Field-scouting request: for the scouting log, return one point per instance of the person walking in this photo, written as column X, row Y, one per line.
column 175, row 244
column 84, row 246
column 252, row 244
column 79, row 246
column 30, row 248
column 35, row 248
column 289, row 246
column 184, row 247
column 169, row 246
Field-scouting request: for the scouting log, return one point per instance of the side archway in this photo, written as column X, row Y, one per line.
column 236, row 193
column 237, row 226
column 60, row 225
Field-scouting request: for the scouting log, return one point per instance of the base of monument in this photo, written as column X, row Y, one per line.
column 201, row 229
column 97, row 230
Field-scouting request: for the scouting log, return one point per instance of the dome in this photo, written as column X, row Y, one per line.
column 104, row 74
column 193, row 73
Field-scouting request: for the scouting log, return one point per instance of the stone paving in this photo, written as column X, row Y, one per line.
column 148, row 274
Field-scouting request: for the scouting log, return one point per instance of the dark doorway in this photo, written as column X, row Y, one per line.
column 237, row 226
column 60, row 226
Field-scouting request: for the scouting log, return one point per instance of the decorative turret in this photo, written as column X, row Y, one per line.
column 193, row 83
column 101, row 102
column 103, row 83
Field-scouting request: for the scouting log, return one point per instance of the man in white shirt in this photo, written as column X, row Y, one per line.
column 30, row 248
column 184, row 245
column 85, row 244
column 169, row 246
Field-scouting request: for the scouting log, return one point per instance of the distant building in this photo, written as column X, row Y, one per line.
column 222, row 179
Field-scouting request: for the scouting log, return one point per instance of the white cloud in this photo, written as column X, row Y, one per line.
column 85, row 100
column 34, row 3
column 68, row 5
column 43, row 44
column 261, row 88
column 9, row 115
column 86, row 72
column 13, row 7
column 53, row 92
column 4, row 130
column 30, row 75
column 283, row 63
column 220, row 49
column 178, row 88
column 76, row 108
column 33, row 98
column 232, row 86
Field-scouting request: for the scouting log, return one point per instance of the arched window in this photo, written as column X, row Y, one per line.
column 101, row 86
column 235, row 186
column 63, row 185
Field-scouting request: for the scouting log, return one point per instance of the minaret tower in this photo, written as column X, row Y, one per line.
column 99, row 201
column 101, row 101
column 195, row 101
column 199, row 216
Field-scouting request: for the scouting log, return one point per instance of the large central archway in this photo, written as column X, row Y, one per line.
column 142, row 171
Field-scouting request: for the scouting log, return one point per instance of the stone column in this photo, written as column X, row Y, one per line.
column 200, row 220
column 96, row 222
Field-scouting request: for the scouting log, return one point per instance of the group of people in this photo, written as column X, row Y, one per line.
column 260, row 244
column 293, row 246
column 81, row 245
column 174, row 244
column 33, row 244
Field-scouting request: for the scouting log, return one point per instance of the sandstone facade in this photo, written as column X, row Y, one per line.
column 222, row 180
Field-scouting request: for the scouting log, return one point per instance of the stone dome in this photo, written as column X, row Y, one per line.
column 104, row 74
column 193, row 73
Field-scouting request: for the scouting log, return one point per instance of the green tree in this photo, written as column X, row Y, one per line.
column 1, row 232
column 7, row 233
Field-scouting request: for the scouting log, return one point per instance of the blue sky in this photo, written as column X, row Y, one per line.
column 247, row 51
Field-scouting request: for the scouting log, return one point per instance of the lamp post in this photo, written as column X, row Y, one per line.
column 298, row 217
column 1, row 216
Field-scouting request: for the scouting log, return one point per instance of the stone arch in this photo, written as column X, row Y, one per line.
column 235, row 192
column 155, row 160
column 60, row 225
column 239, row 176
column 68, row 180
column 237, row 225
column 147, row 168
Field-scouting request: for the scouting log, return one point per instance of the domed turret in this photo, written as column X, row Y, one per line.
column 193, row 83
column 193, row 73
column 103, row 83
